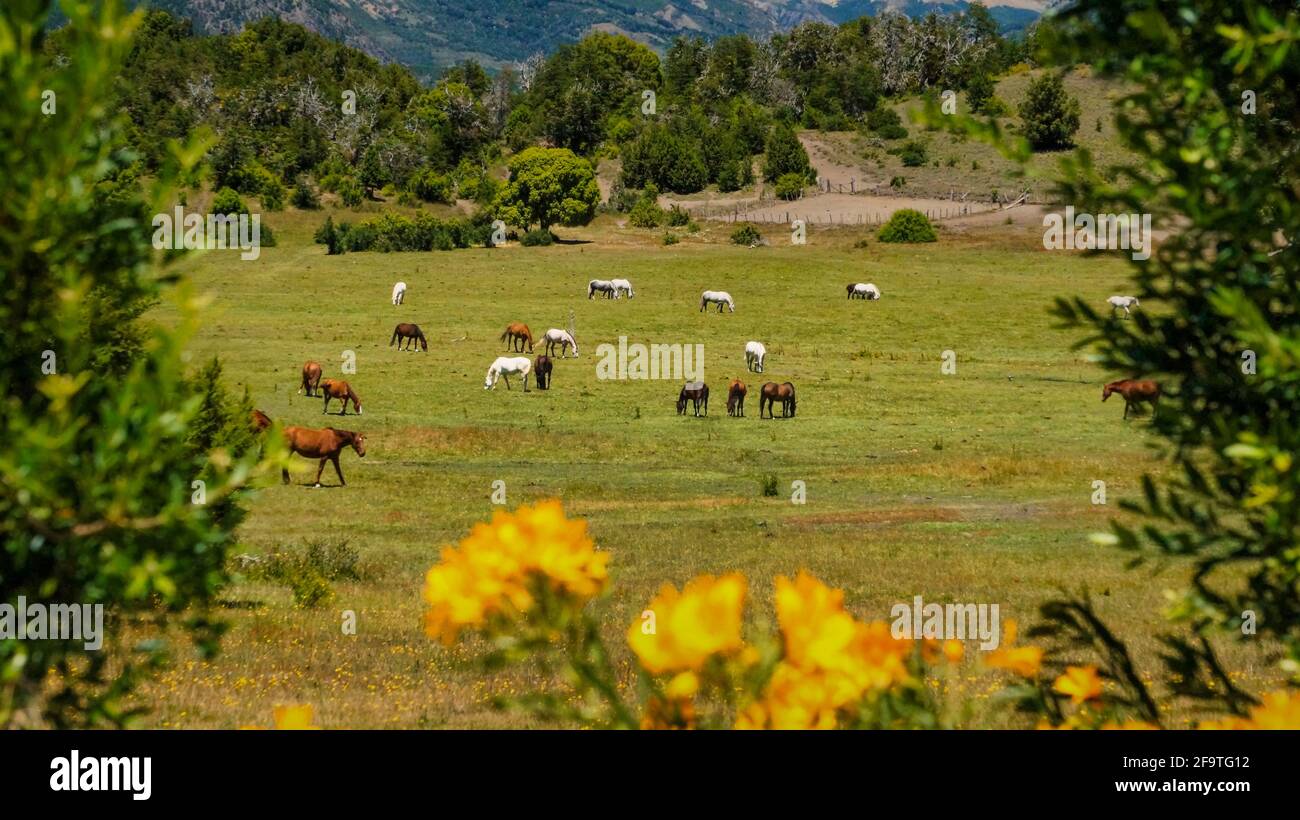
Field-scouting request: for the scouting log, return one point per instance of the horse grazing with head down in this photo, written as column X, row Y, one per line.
column 411, row 334
column 323, row 444
column 554, row 337
column 542, row 371
column 863, row 290
column 772, row 393
column 311, row 372
column 755, row 353
column 736, row 398
column 1134, row 392
column 506, row 366
column 622, row 286
column 601, row 286
column 341, row 390
column 399, row 293
column 717, row 297
column 516, row 335
column 695, row 392
column 261, row 421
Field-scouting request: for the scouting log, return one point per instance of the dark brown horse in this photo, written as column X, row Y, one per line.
column 341, row 390
column 311, row 372
column 1134, row 392
column 697, row 393
column 323, row 444
column 516, row 335
column 736, row 398
column 773, row 392
column 542, row 372
column 261, row 421
column 411, row 334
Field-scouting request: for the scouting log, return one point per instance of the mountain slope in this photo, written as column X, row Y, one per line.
column 428, row 34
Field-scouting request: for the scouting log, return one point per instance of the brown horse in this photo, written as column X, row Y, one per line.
column 1134, row 392
column 261, row 421
column 411, row 334
column 323, row 444
column 736, row 398
column 697, row 393
column 311, row 372
column 541, row 372
column 341, row 390
column 516, row 335
column 773, row 392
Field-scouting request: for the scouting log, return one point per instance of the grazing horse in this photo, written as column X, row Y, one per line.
column 736, row 398
column 323, row 444
column 603, row 286
column 516, row 335
column 1134, row 391
column 399, row 293
column 864, row 290
column 341, row 390
column 411, row 334
column 1122, row 303
column 554, row 337
column 506, row 366
column 773, row 392
column 261, row 421
column 755, row 353
column 697, row 393
column 717, row 297
column 311, row 372
column 542, row 372
column 622, row 285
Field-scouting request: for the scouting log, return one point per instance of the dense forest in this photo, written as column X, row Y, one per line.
column 294, row 114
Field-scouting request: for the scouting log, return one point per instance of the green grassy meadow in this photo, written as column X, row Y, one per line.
column 973, row 487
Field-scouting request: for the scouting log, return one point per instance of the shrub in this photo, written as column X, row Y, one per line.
column 430, row 186
column 1049, row 116
column 913, row 154
column 907, row 225
column 768, row 486
column 391, row 232
column 746, row 234
column 350, row 191
column 785, row 155
column 304, row 197
column 790, row 186
column 734, row 175
column 538, row 237
column 887, row 124
column 647, row 214
column 678, row 216
column 227, row 201
column 671, row 238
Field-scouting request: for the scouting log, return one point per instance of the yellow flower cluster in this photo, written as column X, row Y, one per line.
column 831, row 661
column 1022, row 660
column 295, row 716
column 690, row 627
column 497, row 568
column 1277, row 710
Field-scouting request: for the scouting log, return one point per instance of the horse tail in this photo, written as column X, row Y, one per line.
column 394, row 339
column 505, row 333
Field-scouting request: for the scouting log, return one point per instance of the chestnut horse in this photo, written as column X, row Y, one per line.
column 697, row 393
column 736, row 398
column 1134, row 392
column 323, row 444
column 311, row 372
column 516, row 335
column 773, row 392
column 341, row 390
column 261, row 421
column 542, row 371
column 410, row 334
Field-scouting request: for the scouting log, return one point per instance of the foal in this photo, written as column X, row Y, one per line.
column 409, row 333
column 341, row 390
column 1134, row 392
column 736, row 398
column 323, row 444
column 542, row 371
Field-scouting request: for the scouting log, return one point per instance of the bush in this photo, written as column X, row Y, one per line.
column 430, row 186
column 747, row 235
column 350, row 191
column 228, row 202
column 1049, row 116
column 913, row 154
column 734, row 175
column 647, row 214
column 887, row 124
column 671, row 238
column 390, row 232
column 907, row 225
column 790, row 186
column 768, row 486
column 304, row 197
column 678, row 216
column 537, row 238
column 785, row 155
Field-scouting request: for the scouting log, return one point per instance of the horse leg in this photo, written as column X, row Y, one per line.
column 320, row 469
column 327, row 404
column 507, row 378
column 284, row 474
column 337, row 471
column 1126, row 406
column 525, row 382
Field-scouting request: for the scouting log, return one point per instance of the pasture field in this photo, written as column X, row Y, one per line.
column 972, row 487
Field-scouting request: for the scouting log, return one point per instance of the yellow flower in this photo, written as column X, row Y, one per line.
column 496, row 569
column 1277, row 710
column 1081, row 683
column 690, row 626
column 1022, row 660
column 953, row 650
column 294, row 717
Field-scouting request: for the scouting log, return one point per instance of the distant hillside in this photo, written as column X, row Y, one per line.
column 427, row 35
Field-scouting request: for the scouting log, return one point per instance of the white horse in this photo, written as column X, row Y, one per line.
column 717, row 297
column 505, row 367
column 864, row 290
column 603, row 286
column 621, row 285
column 399, row 293
column 1122, row 302
column 755, row 353
column 554, row 337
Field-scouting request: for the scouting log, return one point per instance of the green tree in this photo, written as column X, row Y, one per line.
column 548, row 186
column 1049, row 115
column 785, row 155
column 97, row 493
